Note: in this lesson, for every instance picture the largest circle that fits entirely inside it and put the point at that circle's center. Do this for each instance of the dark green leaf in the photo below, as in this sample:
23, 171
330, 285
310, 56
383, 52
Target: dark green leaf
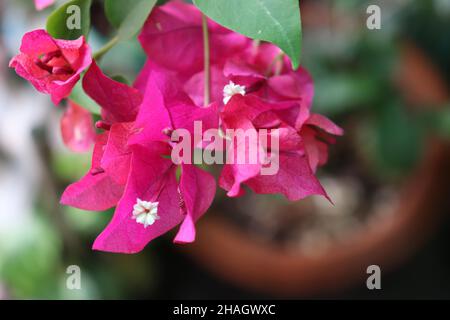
71, 20
128, 18
399, 139
276, 21
116, 11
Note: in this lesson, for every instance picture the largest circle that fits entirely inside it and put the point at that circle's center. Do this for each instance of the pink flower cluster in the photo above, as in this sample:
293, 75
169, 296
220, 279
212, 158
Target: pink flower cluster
131, 166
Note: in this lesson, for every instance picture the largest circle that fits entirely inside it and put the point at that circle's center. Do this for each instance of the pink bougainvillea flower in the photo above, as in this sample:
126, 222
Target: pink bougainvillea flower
102, 187
263, 70
255, 70
77, 128
53, 66
131, 165
168, 108
317, 133
154, 201
42, 4
172, 37
295, 177
267, 72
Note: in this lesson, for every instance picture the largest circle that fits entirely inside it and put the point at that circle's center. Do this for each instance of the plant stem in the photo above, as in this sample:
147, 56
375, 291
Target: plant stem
275, 66
111, 43
207, 66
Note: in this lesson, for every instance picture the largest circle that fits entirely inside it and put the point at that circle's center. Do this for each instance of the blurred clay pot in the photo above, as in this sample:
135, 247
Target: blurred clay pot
237, 257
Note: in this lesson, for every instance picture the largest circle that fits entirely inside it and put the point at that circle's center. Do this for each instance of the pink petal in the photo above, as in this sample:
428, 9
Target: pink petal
97, 190
77, 128
316, 149
197, 189
172, 37
254, 62
42, 4
119, 102
152, 178
325, 124
195, 86
238, 114
61, 90
233, 175
295, 179
116, 157
37, 42
153, 115
166, 106
295, 85
141, 80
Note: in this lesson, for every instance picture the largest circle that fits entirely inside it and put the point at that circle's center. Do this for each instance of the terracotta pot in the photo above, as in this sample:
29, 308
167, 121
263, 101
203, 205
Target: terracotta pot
239, 258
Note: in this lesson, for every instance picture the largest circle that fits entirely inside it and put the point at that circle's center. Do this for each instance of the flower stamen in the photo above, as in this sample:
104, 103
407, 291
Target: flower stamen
145, 212
230, 90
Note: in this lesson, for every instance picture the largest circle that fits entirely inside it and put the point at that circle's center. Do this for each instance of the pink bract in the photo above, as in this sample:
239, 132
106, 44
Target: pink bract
42, 4
77, 128
172, 37
153, 174
132, 161
53, 66
102, 187
295, 178
132, 157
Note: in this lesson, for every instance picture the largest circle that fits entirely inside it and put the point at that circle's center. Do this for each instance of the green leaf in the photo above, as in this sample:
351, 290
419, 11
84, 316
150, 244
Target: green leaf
128, 18
70, 15
399, 139
83, 100
116, 12
276, 21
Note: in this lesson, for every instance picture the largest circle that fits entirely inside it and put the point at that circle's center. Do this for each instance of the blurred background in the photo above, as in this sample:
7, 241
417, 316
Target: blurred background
389, 177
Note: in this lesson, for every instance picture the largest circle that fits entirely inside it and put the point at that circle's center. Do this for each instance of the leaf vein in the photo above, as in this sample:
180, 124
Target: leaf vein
278, 25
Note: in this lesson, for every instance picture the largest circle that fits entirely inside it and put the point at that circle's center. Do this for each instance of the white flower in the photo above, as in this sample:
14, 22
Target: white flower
145, 212
230, 90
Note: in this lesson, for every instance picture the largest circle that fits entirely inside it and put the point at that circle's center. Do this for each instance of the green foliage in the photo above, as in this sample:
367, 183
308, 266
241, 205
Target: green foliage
28, 265
437, 120
343, 93
130, 18
116, 12
274, 21
57, 21
70, 166
398, 139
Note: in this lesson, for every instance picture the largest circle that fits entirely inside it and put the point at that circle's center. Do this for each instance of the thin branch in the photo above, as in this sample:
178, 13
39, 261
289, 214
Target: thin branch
207, 66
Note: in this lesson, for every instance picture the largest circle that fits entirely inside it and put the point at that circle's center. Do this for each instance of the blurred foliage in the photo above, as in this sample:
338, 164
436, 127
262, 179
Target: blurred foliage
29, 264
354, 76
399, 139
